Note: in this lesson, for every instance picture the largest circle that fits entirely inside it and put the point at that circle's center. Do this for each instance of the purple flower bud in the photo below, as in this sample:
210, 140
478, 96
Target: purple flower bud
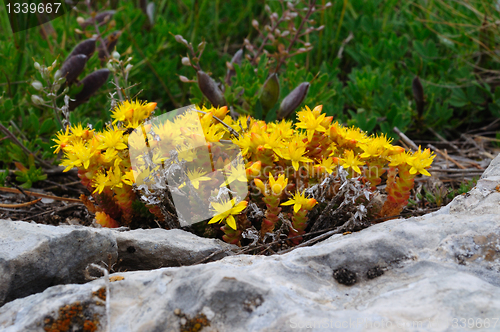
293, 100
210, 89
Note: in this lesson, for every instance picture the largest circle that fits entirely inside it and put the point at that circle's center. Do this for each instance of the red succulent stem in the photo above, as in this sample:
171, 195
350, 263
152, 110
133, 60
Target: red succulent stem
271, 216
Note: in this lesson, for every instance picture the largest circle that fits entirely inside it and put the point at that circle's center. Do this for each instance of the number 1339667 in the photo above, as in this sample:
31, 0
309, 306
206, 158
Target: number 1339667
25, 7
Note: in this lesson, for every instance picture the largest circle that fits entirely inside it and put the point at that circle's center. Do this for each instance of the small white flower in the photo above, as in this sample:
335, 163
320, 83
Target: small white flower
37, 85
36, 100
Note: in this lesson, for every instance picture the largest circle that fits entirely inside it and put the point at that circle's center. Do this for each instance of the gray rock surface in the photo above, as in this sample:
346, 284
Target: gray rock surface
34, 256
438, 272
145, 249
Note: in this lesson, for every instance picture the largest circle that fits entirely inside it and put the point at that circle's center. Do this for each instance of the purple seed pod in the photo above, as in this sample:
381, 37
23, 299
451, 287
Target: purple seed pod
73, 67
99, 18
86, 47
293, 100
210, 89
91, 83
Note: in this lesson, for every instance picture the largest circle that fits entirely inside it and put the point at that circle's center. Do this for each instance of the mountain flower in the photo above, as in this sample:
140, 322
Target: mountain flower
351, 161
226, 210
299, 201
310, 122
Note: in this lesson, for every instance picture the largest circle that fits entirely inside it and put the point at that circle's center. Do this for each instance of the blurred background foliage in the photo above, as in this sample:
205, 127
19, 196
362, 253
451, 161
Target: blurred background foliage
362, 67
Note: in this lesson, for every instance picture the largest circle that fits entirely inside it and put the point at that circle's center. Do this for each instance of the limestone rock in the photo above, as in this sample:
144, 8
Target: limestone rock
435, 269
144, 249
34, 257
429, 273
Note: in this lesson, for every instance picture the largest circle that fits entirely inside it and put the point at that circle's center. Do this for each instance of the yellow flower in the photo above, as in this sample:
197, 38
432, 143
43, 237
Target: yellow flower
213, 133
115, 176
253, 169
62, 140
274, 141
398, 159
355, 135
310, 122
237, 173
79, 131
100, 181
245, 143
186, 153
420, 161
227, 209
351, 161
109, 155
295, 152
375, 147
196, 176
219, 112
112, 138
299, 201
284, 127
77, 155
132, 112
128, 178
277, 186
328, 164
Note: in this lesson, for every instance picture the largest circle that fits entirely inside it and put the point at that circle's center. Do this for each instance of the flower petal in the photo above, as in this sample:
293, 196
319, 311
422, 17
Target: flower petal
231, 222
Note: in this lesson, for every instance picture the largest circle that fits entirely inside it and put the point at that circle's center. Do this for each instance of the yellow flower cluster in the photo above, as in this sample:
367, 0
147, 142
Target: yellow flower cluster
103, 162
317, 143
280, 160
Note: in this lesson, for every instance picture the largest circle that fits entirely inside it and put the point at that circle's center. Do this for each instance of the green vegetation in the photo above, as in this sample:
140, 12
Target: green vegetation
361, 67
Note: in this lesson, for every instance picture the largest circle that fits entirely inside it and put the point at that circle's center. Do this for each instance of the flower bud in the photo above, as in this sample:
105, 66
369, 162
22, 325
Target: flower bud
80, 20
37, 66
184, 79
210, 89
37, 85
260, 185
180, 39
185, 61
36, 100
201, 46
110, 67
293, 100
128, 68
54, 63
57, 87
57, 75
115, 55
255, 24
